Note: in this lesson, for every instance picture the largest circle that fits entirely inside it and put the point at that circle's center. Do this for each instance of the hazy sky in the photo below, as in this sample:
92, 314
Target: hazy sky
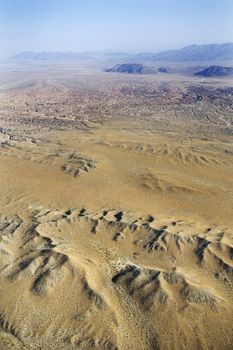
121, 25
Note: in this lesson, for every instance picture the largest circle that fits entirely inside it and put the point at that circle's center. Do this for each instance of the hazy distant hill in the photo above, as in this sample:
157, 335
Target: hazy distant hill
209, 52
28, 55
197, 53
53, 56
215, 71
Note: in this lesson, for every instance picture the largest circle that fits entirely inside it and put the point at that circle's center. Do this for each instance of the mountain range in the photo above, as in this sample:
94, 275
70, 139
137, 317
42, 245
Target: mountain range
209, 52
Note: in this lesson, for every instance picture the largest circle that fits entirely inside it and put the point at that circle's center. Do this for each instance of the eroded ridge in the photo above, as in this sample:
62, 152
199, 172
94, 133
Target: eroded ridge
111, 268
36, 264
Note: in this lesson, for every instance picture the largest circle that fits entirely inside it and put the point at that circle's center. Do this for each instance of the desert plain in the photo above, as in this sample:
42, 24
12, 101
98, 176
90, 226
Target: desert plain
116, 202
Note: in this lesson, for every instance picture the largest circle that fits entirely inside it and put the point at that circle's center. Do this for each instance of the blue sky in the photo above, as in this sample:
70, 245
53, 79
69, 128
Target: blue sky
120, 25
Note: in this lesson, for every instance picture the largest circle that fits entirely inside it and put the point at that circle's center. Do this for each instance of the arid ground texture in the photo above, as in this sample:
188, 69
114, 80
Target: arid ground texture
116, 209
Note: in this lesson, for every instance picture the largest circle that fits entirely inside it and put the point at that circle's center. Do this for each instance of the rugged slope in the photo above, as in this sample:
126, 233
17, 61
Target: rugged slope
102, 278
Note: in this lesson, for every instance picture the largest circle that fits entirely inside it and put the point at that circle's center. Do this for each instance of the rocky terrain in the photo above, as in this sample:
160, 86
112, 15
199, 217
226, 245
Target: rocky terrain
68, 100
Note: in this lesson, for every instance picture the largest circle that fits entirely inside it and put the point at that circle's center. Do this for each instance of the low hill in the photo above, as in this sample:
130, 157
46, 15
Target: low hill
132, 68
215, 71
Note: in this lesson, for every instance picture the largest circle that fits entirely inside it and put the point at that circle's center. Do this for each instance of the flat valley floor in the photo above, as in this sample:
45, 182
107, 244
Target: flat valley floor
116, 202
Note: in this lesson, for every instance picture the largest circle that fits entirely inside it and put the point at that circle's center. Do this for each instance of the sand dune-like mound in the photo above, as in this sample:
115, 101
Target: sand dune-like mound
77, 165
176, 154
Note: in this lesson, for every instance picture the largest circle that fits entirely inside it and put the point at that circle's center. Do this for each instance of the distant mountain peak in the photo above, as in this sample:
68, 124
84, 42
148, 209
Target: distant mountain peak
206, 52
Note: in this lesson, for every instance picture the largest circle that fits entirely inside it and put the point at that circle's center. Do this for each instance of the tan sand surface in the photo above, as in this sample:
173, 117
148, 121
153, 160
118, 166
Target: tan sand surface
116, 234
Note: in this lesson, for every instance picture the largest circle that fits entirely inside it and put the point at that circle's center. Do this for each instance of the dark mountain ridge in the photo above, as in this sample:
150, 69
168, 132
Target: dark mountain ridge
132, 68
215, 71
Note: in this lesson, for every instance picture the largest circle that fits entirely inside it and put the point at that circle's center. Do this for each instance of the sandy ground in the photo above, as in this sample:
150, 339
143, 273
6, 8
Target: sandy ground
116, 234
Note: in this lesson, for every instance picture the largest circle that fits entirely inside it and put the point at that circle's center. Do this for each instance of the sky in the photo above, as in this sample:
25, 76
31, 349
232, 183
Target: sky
112, 25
